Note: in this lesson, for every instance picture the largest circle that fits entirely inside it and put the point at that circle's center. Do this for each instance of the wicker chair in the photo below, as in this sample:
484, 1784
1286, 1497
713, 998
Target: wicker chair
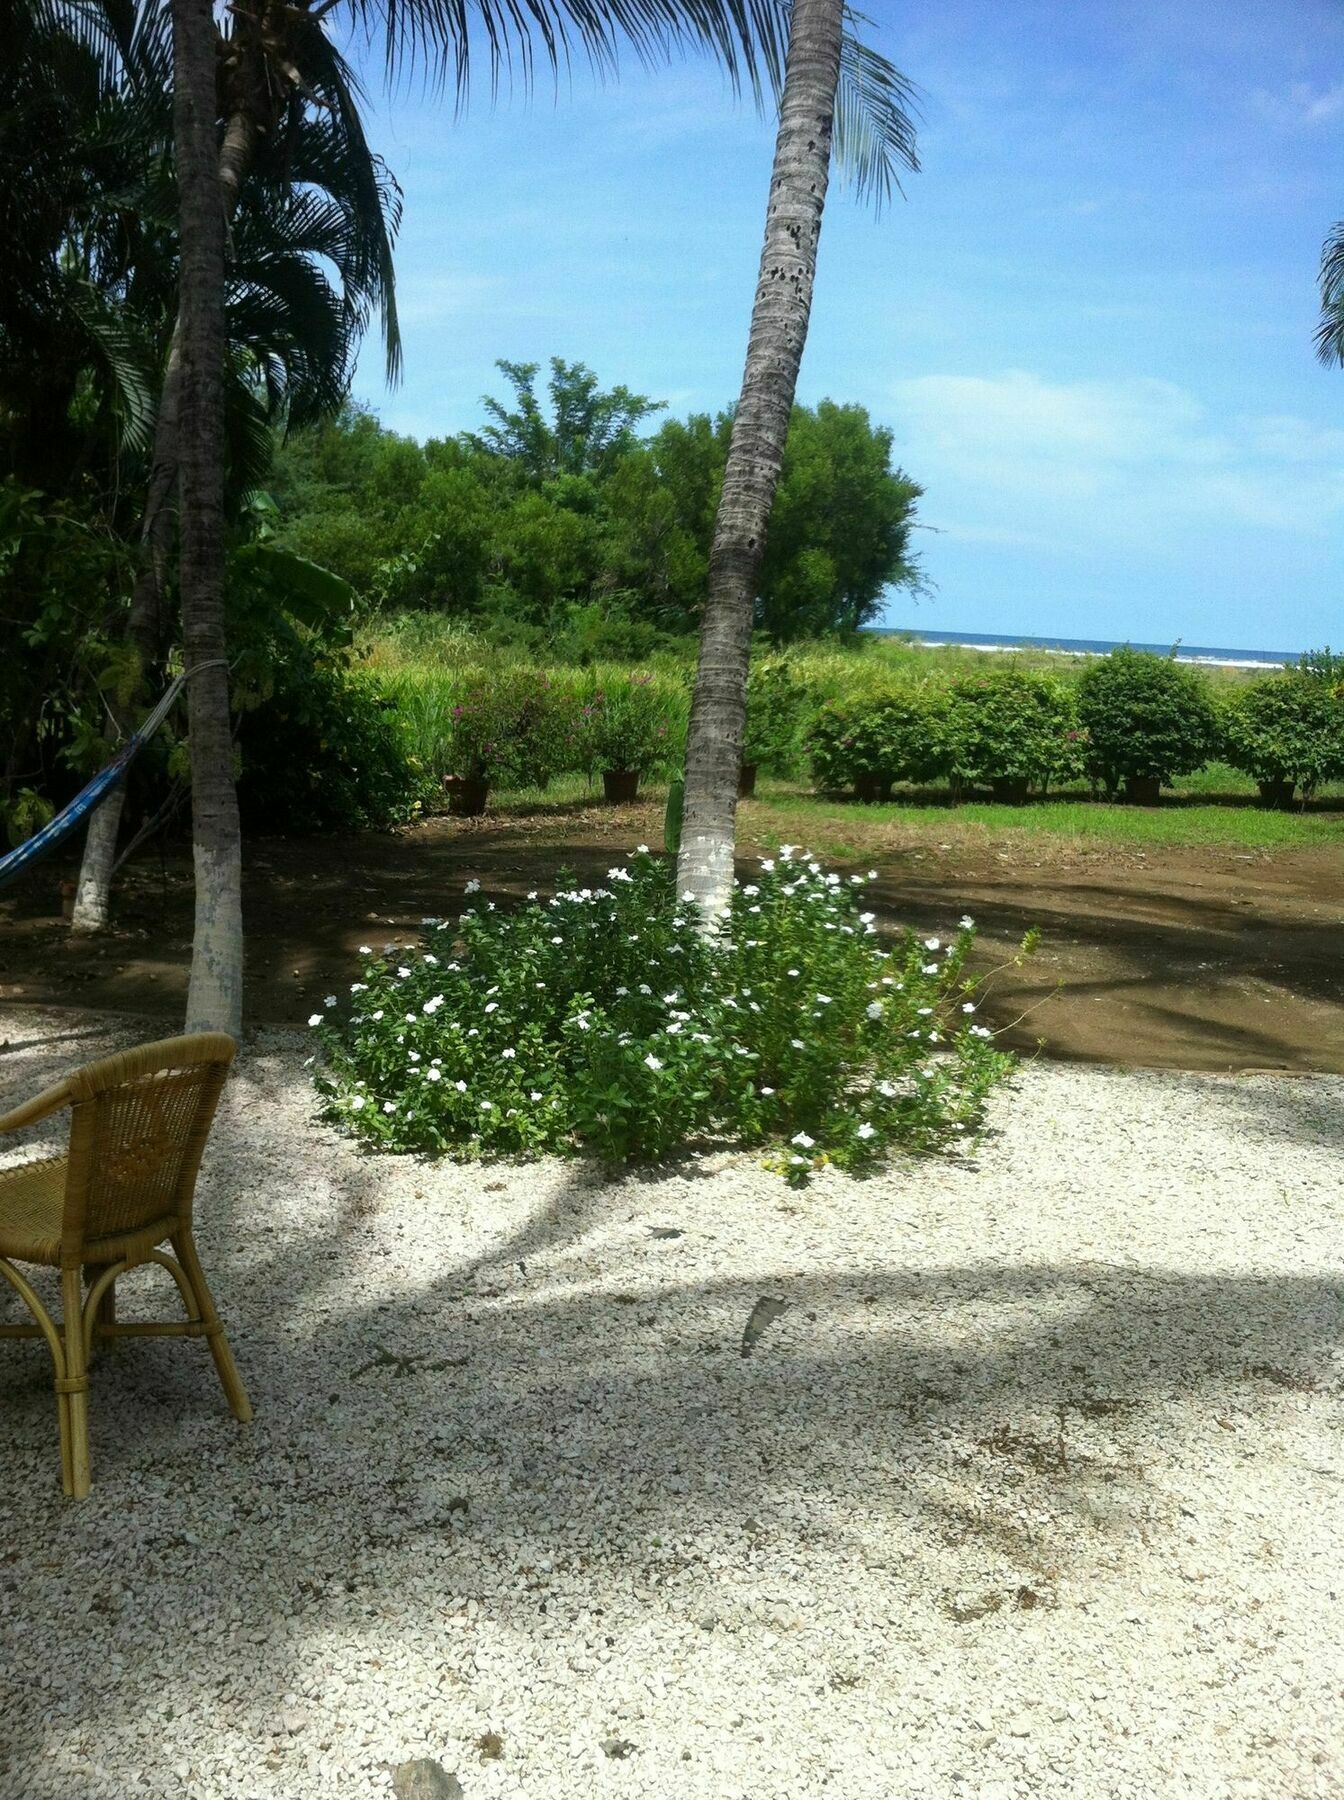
138, 1126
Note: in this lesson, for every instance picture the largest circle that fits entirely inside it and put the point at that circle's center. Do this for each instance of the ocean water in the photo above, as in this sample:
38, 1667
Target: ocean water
1197, 653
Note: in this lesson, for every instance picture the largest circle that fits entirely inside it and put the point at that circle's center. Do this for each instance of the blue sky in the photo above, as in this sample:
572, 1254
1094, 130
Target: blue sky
1088, 324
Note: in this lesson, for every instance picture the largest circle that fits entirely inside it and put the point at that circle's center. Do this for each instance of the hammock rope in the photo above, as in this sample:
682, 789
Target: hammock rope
70, 817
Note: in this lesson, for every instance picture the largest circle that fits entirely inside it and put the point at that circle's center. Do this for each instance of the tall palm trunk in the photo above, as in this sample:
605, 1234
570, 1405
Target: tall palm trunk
146, 625
779, 322
215, 997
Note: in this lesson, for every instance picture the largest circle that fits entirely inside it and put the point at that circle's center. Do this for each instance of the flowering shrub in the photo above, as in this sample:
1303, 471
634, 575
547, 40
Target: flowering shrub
630, 722
1286, 731
602, 1020
1147, 718
868, 742
1016, 726
506, 727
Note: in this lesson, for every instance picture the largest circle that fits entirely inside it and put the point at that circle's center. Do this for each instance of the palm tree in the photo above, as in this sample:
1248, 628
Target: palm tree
316, 198
779, 321
1330, 331
746, 35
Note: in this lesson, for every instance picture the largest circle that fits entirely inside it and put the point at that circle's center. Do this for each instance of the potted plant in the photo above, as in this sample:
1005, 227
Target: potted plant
1016, 729
630, 728
1148, 718
1286, 731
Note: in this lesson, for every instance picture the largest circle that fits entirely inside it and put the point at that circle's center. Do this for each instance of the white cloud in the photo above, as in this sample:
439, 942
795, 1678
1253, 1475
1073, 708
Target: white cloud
1301, 104
1134, 461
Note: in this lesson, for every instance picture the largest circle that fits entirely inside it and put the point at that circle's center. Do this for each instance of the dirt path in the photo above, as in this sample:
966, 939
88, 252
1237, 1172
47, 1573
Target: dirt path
1201, 958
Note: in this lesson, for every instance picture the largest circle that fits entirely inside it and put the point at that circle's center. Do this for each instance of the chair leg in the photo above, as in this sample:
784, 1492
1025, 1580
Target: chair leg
73, 1389
107, 1312
184, 1247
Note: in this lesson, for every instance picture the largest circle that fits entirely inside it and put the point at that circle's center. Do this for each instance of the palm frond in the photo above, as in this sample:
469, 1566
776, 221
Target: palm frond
1330, 331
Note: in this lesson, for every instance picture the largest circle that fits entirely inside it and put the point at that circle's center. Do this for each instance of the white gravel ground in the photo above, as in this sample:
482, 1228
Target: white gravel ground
1033, 1488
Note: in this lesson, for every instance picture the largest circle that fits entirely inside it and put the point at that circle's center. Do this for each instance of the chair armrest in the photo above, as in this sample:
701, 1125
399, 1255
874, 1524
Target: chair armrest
50, 1100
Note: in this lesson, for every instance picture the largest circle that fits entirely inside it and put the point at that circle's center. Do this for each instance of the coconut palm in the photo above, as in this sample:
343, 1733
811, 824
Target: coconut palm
262, 70
779, 321
1330, 331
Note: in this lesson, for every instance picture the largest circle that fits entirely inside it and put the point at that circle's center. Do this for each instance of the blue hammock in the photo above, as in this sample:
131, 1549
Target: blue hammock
71, 817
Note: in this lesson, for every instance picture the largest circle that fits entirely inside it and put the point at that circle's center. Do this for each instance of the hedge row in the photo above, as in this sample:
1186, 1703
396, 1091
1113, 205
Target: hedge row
1132, 723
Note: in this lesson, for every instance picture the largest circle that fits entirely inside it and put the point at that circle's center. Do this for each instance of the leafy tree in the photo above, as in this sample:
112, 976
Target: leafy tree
588, 431
1330, 331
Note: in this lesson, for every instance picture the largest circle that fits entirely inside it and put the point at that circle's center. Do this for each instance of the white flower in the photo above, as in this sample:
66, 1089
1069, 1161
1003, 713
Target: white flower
803, 1141
315, 1018
388, 1107
872, 874
487, 1106
622, 991
671, 999
533, 894
461, 1086
414, 1055
798, 1043
433, 961
768, 864
557, 940
966, 922
358, 1103
535, 1094
791, 971
641, 849
402, 974
652, 1062
932, 943
874, 1010
823, 999
508, 1055
866, 918
432, 1005
688, 896
673, 1029
787, 851
472, 887
887, 1091
866, 1130
767, 1090
967, 1006
751, 891
433, 1074
330, 1000
644, 988
924, 1011
359, 987
366, 950
493, 1006
980, 1031
928, 968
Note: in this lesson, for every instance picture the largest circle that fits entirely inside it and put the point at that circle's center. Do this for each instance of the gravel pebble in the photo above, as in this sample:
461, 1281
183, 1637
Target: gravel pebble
1032, 1487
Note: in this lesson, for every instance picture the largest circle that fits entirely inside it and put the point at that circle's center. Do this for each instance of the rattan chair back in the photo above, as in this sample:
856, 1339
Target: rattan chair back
138, 1129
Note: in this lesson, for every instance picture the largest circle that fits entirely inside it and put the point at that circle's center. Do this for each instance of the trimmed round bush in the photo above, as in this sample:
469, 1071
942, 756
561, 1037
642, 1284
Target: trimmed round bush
325, 751
1148, 718
506, 728
1286, 732
868, 742
601, 1020
1016, 729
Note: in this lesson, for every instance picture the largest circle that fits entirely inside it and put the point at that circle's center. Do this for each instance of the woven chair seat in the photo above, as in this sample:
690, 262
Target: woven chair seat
32, 1202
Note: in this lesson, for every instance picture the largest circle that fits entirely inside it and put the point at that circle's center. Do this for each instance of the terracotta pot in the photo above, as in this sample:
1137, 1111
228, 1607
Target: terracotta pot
746, 781
1009, 790
1278, 794
1143, 790
467, 795
619, 786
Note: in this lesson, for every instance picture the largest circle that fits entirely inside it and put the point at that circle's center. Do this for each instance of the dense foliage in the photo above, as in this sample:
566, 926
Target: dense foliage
1015, 729
1147, 718
872, 741
558, 519
1286, 732
602, 1020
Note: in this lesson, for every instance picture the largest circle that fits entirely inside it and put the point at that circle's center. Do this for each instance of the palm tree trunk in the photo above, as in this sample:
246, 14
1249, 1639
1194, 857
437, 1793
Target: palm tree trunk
779, 322
146, 625
215, 996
